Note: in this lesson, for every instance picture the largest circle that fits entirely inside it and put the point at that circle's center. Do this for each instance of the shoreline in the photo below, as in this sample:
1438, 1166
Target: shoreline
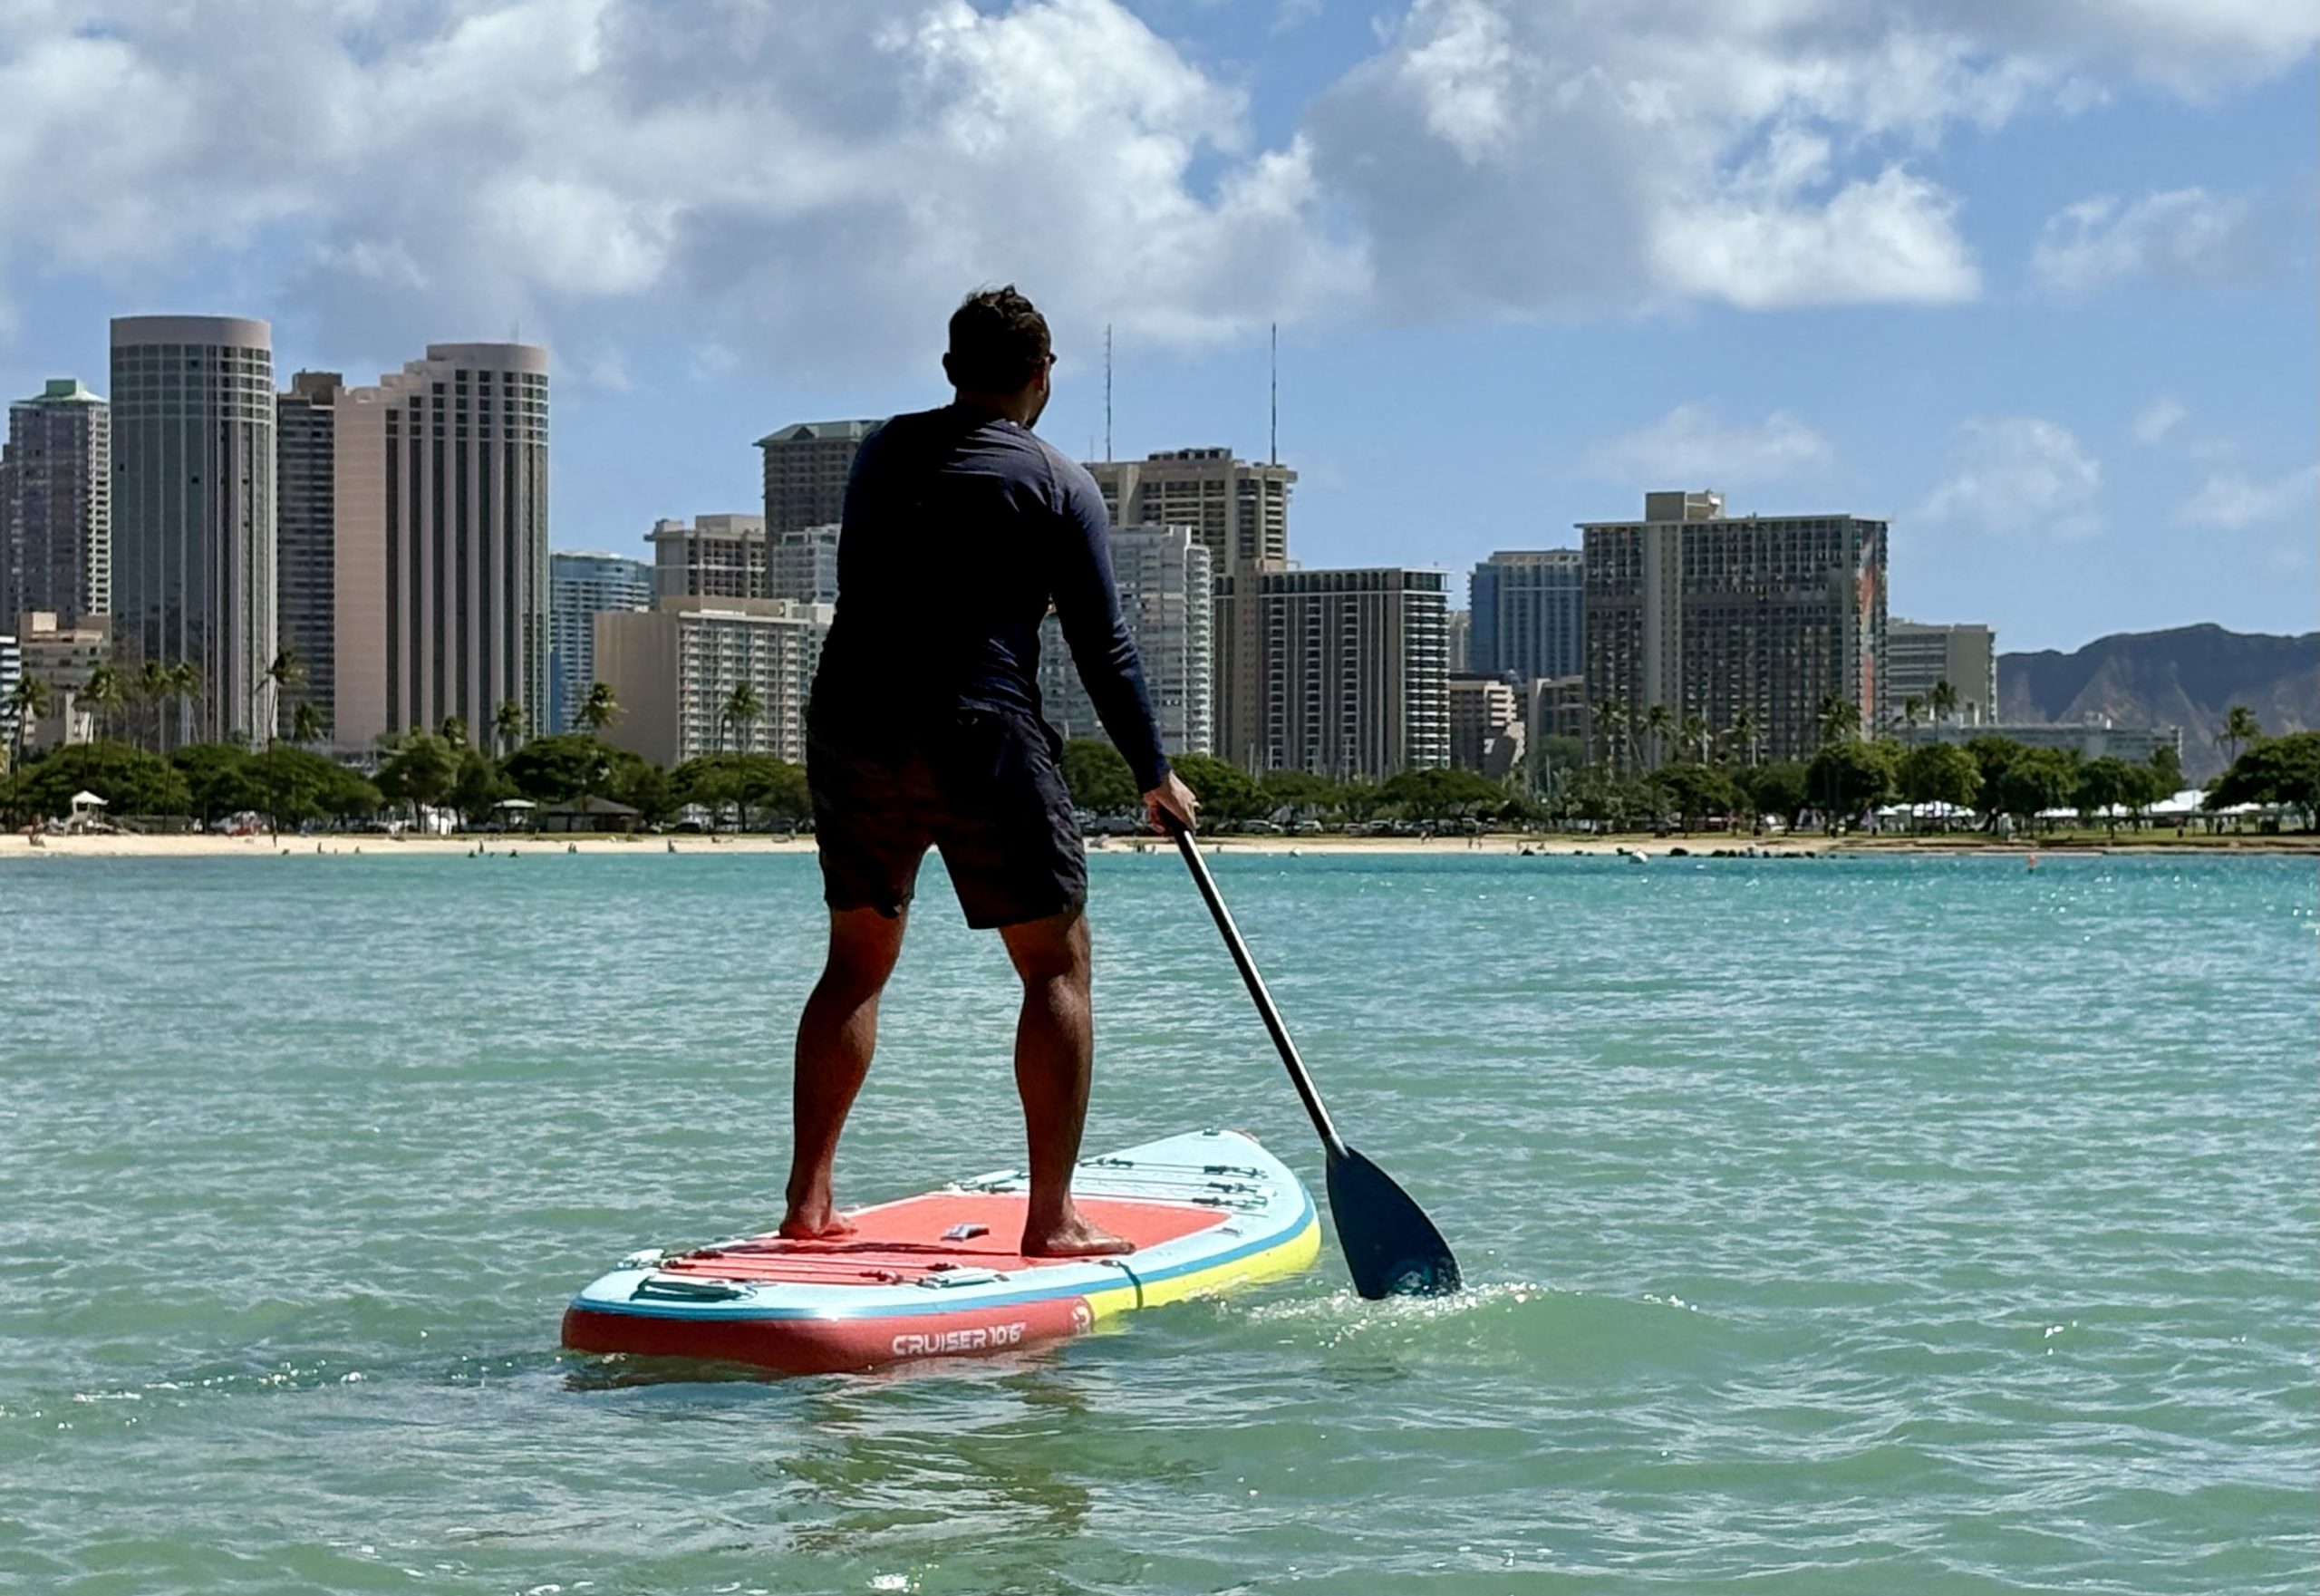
14, 845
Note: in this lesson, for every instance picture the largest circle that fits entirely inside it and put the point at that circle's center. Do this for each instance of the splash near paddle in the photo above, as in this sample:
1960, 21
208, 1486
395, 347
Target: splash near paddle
937, 1276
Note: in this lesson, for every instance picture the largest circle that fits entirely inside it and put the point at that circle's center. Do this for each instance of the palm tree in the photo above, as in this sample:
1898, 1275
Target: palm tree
1695, 736
1658, 722
185, 688
287, 674
1912, 709
27, 702
155, 686
2240, 728
1607, 719
1945, 701
742, 709
1744, 729
454, 731
306, 722
599, 710
1840, 719
107, 693
507, 727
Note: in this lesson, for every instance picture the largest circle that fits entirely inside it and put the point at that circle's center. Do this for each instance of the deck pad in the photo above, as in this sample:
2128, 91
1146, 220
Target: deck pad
940, 1275
904, 1241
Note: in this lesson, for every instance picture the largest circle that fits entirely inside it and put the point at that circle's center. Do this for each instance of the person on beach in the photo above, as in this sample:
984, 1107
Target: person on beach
959, 528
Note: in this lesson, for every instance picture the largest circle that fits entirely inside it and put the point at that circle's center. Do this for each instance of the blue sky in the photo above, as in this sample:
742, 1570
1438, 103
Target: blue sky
2034, 282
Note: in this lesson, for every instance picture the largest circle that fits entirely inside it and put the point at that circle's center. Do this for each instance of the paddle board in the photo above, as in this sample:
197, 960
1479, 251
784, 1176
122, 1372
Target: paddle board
937, 1276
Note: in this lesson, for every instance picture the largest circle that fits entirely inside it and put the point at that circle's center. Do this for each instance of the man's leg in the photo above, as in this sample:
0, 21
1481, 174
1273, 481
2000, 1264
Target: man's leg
836, 1037
1054, 1051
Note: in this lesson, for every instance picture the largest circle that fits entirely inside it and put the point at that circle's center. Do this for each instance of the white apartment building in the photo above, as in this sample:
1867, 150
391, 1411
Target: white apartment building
1487, 725
441, 569
709, 557
1167, 599
1919, 657
802, 565
56, 505
673, 668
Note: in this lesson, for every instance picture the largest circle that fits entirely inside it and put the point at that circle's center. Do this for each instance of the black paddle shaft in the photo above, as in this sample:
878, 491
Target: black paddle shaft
1256, 982
1391, 1247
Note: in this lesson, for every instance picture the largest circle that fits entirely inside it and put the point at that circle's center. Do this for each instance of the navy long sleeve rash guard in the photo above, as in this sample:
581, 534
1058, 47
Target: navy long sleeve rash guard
961, 527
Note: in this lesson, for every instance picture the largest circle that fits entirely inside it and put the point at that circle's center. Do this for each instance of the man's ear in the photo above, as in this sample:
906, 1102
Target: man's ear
948, 374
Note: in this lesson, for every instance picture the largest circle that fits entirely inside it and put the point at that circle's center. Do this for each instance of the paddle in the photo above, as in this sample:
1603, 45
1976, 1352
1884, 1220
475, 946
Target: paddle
1391, 1246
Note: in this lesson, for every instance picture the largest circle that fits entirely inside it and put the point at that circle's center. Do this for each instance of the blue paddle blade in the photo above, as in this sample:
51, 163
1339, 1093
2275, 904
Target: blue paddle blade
1390, 1245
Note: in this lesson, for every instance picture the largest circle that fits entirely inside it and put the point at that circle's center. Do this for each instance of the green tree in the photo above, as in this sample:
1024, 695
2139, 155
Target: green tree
2277, 770
599, 710
1993, 756
711, 782
1695, 737
2035, 779
418, 773
648, 790
1694, 791
184, 690
1745, 731
130, 781
1301, 791
307, 722
775, 789
2109, 783
107, 693
1441, 794
740, 712
1941, 773
287, 674
478, 785
291, 784
1912, 711
1226, 792
2167, 769
2240, 728
1848, 777
27, 702
1608, 797
1098, 777
508, 728
1944, 701
1838, 718
1780, 792
453, 732
1610, 723
1658, 722
216, 780
1360, 800
569, 765
153, 688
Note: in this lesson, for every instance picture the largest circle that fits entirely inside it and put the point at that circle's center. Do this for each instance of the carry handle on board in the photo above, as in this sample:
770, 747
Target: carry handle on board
1390, 1246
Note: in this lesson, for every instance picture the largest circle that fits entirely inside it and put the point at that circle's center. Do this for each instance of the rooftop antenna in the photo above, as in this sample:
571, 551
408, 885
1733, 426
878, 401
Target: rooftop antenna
1275, 455
1107, 390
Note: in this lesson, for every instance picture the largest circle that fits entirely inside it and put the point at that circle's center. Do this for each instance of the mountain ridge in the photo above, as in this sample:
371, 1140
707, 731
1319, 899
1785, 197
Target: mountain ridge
2185, 676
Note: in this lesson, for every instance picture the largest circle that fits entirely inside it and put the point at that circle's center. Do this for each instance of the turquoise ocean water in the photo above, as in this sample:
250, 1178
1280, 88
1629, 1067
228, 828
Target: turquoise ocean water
1911, 1226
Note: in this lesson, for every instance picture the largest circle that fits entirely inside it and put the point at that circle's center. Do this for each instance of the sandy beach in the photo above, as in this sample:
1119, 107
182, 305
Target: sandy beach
14, 845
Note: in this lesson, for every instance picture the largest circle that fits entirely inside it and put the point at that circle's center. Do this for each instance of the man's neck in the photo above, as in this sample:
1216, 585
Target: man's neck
1018, 408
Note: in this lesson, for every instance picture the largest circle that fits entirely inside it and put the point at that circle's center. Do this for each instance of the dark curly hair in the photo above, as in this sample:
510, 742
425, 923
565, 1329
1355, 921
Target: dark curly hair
999, 342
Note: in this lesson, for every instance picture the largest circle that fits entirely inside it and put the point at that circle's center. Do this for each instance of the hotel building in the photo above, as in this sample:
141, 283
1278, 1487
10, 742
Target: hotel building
193, 514
1167, 599
805, 469
56, 505
673, 667
1529, 608
1352, 673
305, 556
582, 587
440, 567
1919, 658
1719, 616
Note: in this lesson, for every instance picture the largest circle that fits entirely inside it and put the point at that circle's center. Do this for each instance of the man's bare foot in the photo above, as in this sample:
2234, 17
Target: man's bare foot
815, 1221
1072, 1237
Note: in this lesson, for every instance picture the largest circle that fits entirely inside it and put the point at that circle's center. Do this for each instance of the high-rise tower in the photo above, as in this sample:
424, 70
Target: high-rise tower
56, 505
306, 534
441, 574
193, 516
806, 468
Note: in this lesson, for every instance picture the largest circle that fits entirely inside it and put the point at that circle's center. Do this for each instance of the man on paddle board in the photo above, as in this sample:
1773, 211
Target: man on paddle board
961, 527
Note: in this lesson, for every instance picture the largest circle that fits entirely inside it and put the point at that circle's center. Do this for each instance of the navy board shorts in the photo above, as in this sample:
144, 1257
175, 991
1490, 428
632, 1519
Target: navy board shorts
983, 784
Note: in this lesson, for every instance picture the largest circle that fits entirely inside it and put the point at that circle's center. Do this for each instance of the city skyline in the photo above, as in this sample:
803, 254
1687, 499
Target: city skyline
2031, 293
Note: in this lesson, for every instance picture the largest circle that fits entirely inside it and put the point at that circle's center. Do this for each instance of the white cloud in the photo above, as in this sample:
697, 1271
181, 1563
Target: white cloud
1692, 444
2156, 419
2231, 501
2184, 236
815, 184
2018, 474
